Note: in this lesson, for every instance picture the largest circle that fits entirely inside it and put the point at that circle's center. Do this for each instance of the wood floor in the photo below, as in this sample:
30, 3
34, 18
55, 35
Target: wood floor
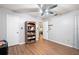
42, 47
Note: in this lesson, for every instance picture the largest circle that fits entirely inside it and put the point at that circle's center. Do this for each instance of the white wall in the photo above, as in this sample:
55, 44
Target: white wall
76, 42
24, 18
2, 24
21, 23
78, 32
62, 29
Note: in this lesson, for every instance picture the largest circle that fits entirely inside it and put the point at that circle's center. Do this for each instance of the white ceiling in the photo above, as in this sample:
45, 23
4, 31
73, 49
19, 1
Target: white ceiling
18, 6
21, 8
33, 9
65, 8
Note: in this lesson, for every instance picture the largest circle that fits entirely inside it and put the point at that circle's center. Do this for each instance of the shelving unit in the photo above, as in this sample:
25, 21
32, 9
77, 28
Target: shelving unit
30, 32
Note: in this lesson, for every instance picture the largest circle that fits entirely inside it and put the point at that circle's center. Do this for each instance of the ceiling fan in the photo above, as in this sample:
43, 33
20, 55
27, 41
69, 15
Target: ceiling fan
45, 9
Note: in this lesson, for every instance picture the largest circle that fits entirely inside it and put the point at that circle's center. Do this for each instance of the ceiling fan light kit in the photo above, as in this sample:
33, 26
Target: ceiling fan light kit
45, 9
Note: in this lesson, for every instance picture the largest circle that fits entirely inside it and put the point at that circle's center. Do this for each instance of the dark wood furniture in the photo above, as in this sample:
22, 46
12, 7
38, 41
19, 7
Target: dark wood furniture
30, 32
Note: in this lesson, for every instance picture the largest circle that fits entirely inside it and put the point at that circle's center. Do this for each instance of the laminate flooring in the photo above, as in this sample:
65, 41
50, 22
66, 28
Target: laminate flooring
42, 47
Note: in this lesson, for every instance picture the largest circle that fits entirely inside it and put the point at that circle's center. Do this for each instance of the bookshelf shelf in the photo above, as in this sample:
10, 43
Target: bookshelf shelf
30, 32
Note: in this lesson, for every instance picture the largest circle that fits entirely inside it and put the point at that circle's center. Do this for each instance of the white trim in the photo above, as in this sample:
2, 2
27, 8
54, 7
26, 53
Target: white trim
21, 43
61, 43
75, 37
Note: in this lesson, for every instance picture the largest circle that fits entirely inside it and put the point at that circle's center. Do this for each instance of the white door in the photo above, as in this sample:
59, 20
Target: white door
22, 32
12, 30
45, 30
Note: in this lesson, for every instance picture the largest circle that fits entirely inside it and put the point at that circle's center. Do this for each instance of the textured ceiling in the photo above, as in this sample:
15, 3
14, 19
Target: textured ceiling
33, 9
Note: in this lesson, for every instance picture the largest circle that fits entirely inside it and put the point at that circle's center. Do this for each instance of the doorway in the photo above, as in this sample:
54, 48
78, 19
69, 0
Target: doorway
40, 30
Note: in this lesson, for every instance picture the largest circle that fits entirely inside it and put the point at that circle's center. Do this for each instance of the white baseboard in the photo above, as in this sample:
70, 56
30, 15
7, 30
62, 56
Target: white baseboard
61, 43
21, 43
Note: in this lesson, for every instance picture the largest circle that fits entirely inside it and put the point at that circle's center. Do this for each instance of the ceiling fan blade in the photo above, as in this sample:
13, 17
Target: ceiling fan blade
55, 14
46, 8
42, 14
50, 12
39, 5
53, 6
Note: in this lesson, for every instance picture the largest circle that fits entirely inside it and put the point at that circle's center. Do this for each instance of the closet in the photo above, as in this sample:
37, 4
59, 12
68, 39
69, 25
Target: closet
30, 32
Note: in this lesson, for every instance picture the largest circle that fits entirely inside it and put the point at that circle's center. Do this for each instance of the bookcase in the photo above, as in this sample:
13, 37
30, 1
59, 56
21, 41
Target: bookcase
30, 32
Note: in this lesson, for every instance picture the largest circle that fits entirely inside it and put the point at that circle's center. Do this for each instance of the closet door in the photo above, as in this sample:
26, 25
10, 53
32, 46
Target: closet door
12, 29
